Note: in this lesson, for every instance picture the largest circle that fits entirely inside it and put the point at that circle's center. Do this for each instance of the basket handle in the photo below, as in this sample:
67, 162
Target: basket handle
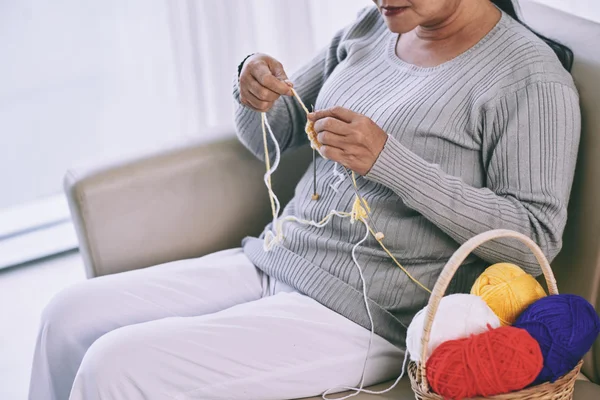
450, 269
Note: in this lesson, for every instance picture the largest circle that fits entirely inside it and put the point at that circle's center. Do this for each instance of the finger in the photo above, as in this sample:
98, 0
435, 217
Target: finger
331, 124
340, 113
332, 139
333, 154
261, 92
255, 103
279, 72
275, 85
265, 77
250, 83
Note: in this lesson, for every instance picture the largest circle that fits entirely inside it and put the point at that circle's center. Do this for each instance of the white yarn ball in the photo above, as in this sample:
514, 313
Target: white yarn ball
458, 316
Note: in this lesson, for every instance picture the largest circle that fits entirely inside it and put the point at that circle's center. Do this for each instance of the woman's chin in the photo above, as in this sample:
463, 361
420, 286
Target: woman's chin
400, 23
400, 27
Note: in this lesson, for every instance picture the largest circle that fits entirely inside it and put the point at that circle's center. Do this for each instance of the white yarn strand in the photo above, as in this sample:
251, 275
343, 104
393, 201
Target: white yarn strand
275, 236
340, 178
272, 235
361, 389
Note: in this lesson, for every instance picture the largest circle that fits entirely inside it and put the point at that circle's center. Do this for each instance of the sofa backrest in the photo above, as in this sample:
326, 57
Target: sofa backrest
577, 267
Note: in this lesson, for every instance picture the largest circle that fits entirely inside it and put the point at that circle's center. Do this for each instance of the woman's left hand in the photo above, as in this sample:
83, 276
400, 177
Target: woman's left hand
349, 138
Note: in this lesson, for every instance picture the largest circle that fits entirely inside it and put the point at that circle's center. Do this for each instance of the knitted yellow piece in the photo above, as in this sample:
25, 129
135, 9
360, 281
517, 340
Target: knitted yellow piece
312, 135
359, 213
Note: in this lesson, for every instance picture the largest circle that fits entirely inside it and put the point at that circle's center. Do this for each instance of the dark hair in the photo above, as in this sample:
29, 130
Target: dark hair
565, 55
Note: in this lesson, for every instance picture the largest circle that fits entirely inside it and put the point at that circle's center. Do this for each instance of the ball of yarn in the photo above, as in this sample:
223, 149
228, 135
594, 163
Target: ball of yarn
565, 326
498, 361
508, 290
458, 316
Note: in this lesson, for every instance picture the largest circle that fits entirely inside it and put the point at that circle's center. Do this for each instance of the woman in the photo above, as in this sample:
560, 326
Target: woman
456, 118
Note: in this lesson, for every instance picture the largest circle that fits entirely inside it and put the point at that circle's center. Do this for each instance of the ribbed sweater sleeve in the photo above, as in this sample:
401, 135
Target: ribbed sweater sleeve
529, 139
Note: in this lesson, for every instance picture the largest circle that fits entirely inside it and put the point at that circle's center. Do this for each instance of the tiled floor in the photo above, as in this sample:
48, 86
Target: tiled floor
24, 291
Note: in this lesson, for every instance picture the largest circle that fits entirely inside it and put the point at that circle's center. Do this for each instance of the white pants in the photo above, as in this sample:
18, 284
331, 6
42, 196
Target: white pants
209, 328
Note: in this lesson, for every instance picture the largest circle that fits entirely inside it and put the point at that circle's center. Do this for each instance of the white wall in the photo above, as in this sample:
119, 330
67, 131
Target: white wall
589, 9
79, 80
322, 10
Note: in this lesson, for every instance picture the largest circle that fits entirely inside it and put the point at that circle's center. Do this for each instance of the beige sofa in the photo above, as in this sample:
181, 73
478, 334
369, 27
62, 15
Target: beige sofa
201, 197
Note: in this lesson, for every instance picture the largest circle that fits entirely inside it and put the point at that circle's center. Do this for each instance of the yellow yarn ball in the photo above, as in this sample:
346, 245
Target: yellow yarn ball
508, 290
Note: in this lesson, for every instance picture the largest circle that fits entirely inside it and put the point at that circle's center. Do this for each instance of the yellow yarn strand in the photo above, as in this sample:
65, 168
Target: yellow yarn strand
300, 100
398, 263
354, 179
378, 237
310, 126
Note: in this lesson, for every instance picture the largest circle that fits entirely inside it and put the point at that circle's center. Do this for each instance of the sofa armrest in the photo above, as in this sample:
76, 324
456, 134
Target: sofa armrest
181, 203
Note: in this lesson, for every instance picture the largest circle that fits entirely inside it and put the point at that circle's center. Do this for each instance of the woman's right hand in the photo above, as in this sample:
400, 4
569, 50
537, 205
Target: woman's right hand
262, 81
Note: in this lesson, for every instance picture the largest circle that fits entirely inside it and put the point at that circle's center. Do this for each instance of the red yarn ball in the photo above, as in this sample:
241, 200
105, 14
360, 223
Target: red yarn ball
495, 362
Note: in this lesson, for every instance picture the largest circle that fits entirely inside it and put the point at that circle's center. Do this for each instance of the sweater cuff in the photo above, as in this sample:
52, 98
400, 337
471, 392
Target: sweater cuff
236, 79
236, 89
399, 169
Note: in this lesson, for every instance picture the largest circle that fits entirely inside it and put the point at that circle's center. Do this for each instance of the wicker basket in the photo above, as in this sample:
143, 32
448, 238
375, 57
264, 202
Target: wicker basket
561, 389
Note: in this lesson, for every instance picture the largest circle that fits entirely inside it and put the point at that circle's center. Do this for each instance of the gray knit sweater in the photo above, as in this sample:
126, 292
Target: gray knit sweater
487, 140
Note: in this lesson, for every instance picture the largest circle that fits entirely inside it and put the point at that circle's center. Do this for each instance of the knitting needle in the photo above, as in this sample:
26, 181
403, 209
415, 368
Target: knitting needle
315, 195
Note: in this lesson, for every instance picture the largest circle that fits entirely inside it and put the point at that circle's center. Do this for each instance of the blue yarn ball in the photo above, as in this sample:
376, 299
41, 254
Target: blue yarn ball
565, 326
